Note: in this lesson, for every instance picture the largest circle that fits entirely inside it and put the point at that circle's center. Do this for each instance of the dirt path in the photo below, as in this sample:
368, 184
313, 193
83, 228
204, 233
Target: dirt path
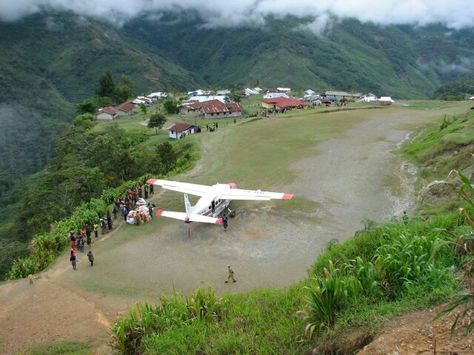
267, 244
417, 333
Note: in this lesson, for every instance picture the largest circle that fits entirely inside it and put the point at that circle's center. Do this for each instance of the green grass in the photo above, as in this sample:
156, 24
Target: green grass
61, 348
274, 320
406, 266
431, 104
441, 147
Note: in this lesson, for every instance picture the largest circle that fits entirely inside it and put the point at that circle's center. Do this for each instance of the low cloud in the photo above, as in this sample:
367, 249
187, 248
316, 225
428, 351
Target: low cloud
460, 65
455, 13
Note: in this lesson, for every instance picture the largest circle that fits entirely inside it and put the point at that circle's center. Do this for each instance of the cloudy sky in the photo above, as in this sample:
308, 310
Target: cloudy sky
453, 13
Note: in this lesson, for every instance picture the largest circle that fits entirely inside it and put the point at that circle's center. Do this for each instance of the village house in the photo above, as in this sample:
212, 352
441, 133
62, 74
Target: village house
107, 113
211, 109
368, 98
282, 103
111, 112
217, 109
385, 101
198, 92
274, 95
180, 130
202, 98
125, 109
339, 95
190, 107
159, 95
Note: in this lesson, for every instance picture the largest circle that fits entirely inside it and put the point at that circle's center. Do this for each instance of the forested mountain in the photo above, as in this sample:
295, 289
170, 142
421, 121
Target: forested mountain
401, 61
52, 60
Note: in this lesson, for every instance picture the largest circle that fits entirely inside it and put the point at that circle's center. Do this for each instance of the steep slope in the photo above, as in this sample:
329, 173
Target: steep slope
48, 63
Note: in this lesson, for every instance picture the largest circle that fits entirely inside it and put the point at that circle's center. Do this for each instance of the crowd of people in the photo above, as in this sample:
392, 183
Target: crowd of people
131, 204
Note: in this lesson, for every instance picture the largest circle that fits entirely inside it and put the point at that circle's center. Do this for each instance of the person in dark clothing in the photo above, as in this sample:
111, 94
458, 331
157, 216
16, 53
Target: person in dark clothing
87, 227
230, 275
124, 212
405, 217
88, 240
81, 243
73, 259
115, 211
145, 190
90, 256
225, 221
103, 225
109, 221
72, 238
152, 189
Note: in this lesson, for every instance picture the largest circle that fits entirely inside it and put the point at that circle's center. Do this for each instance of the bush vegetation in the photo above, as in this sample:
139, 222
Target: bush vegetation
72, 190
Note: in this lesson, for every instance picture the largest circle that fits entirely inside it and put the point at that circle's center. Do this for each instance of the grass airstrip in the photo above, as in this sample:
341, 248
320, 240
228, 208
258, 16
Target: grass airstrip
139, 263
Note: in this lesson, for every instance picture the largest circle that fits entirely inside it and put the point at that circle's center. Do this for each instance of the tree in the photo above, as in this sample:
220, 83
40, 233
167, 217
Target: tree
143, 108
86, 106
156, 121
85, 120
125, 90
106, 85
170, 105
234, 96
167, 156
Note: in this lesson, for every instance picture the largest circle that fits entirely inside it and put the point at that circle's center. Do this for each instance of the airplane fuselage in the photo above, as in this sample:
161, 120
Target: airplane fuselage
210, 205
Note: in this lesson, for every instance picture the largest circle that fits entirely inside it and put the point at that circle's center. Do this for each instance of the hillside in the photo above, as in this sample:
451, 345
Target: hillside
52, 60
269, 245
49, 62
401, 61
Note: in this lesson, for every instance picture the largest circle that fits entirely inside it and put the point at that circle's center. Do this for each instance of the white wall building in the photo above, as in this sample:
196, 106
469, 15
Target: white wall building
274, 95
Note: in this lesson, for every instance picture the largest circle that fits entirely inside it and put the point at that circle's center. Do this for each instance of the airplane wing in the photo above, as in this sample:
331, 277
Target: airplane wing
185, 187
255, 195
182, 216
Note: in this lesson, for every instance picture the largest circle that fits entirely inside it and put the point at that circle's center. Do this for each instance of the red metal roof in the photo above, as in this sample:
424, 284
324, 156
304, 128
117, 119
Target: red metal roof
283, 102
126, 107
213, 106
110, 110
234, 107
216, 106
181, 127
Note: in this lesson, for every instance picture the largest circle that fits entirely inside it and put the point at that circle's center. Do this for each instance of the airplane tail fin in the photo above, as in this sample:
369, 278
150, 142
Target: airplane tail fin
187, 205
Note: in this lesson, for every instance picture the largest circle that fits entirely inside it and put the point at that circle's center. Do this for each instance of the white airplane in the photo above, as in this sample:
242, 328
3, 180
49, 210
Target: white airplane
214, 199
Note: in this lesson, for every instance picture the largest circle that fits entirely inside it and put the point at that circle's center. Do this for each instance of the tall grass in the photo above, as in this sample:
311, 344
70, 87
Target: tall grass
382, 264
172, 313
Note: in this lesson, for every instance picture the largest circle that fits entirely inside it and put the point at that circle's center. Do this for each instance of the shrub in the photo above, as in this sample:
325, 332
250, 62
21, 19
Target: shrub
365, 276
327, 296
172, 313
407, 260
